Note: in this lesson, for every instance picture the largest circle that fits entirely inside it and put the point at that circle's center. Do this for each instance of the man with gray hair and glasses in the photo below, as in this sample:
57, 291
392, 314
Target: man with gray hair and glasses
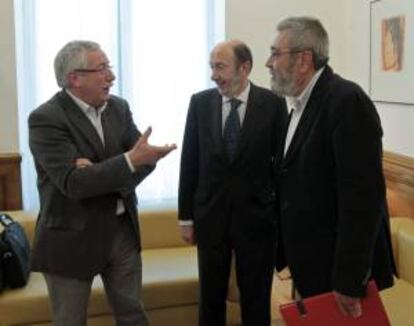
89, 157
333, 220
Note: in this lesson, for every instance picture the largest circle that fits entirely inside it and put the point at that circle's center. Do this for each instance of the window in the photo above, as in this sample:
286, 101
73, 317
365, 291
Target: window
159, 50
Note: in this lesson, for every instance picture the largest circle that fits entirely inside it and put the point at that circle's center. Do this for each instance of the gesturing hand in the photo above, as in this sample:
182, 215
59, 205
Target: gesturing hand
143, 153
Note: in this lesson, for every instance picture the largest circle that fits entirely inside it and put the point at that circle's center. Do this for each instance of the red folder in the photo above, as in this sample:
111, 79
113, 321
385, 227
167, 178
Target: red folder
323, 310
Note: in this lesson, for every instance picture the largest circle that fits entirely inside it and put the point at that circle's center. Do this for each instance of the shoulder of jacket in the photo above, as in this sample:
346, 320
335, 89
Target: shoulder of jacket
206, 93
116, 100
51, 105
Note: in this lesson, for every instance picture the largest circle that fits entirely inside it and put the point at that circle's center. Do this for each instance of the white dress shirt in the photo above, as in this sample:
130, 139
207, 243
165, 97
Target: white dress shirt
297, 105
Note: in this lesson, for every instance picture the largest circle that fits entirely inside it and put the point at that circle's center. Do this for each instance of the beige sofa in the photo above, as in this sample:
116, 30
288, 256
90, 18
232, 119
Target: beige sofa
170, 280
398, 300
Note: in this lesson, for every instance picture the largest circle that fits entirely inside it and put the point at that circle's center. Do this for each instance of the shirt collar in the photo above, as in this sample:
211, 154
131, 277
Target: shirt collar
85, 107
299, 102
243, 96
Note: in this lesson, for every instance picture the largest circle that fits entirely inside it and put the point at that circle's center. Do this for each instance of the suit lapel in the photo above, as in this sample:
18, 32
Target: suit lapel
82, 124
309, 114
252, 114
217, 122
248, 127
111, 135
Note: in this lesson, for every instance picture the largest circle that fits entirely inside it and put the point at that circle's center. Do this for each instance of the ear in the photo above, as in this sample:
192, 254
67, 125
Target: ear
306, 61
245, 68
74, 79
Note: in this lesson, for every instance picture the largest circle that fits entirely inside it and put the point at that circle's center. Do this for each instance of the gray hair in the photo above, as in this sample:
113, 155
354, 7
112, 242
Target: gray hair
72, 56
307, 33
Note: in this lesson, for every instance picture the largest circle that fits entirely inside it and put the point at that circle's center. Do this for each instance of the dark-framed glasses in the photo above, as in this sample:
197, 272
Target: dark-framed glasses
100, 70
276, 54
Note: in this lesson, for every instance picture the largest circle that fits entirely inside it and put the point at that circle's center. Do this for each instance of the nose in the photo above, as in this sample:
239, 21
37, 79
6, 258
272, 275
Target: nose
269, 62
213, 76
110, 75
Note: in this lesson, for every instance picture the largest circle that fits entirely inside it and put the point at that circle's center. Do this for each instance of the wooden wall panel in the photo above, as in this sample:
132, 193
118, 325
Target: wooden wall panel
399, 176
10, 182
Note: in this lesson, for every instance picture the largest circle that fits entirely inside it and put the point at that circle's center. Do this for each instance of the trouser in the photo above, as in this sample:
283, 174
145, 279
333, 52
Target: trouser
122, 279
254, 273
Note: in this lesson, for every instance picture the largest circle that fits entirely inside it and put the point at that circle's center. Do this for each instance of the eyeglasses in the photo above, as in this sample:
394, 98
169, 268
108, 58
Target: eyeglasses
277, 54
101, 70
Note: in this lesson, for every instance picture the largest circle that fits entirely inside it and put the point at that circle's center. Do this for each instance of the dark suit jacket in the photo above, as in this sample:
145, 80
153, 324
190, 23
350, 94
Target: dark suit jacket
215, 192
333, 214
76, 221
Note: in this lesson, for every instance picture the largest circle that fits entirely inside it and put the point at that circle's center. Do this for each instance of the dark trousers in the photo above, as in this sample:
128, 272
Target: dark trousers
254, 273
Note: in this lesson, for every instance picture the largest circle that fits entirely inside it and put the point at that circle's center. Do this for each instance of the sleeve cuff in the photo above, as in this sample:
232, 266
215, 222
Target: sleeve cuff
128, 160
185, 222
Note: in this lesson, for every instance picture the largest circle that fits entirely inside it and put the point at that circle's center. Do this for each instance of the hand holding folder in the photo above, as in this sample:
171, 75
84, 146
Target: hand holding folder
323, 310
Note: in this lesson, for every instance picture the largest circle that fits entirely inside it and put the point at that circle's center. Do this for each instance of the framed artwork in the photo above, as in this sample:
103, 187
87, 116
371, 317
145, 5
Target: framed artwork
392, 51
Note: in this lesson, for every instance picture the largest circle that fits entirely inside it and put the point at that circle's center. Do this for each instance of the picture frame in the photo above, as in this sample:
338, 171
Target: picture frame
392, 51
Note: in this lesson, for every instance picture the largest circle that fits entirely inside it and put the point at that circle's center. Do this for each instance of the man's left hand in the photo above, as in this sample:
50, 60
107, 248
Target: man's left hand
349, 306
82, 163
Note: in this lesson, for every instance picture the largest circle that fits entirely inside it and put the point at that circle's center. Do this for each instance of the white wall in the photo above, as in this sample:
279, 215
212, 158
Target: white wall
9, 140
255, 23
347, 22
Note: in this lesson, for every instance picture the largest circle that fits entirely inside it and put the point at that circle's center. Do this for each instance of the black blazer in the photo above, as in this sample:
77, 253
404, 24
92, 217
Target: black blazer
334, 228
75, 227
219, 195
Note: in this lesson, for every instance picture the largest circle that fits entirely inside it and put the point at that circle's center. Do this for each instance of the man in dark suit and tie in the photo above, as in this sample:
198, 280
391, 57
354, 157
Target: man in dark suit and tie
226, 191
89, 157
334, 230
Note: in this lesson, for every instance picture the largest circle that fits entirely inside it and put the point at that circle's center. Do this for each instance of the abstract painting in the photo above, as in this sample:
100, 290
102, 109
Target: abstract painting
392, 51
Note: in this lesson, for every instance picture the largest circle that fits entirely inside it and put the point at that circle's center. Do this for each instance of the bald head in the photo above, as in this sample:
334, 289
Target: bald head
231, 63
238, 49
